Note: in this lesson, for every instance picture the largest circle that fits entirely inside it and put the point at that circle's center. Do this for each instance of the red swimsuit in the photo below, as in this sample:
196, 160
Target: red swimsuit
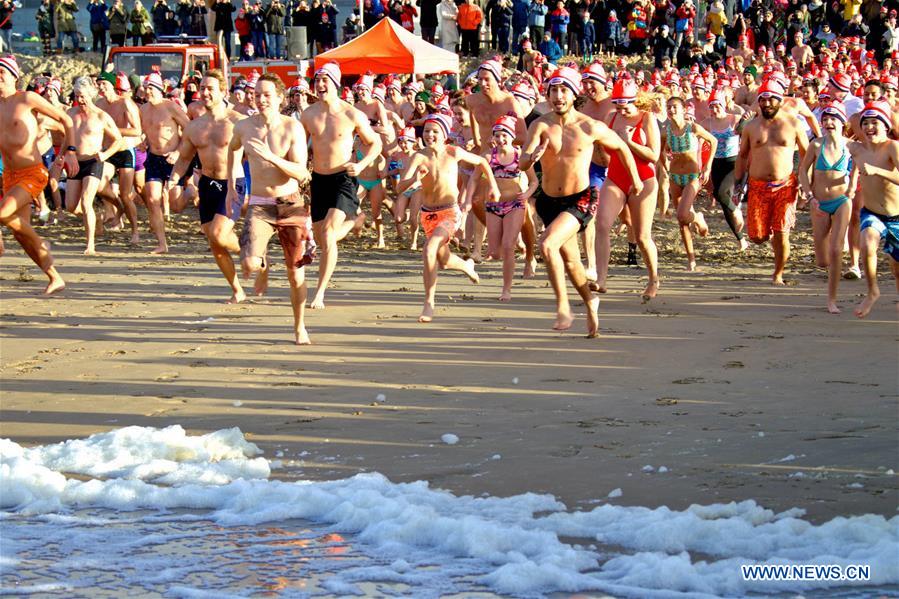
618, 173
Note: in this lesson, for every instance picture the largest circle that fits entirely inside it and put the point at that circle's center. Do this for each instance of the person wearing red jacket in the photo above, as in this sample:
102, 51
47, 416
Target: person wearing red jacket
469, 20
242, 27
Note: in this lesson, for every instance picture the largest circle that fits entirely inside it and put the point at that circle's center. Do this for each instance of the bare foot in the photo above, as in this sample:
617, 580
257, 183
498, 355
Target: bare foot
469, 271
359, 224
414, 247
135, 238
90, 252
864, 308
477, 258
593, 318
260, 286
777, 281
427, 313
691, 264
301, 337
652, 289
506, 295
699, 225
832, 307
161, 249
744, 245
237, 297
591, 274
54, 286
595, 286
380, 245
318, 303
563, 321
530, 269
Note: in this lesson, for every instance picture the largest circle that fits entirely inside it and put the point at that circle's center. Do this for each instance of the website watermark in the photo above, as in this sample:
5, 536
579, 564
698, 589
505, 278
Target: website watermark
806, 572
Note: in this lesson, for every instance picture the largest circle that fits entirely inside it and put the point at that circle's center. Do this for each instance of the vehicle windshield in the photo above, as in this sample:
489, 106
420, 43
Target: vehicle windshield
171, 65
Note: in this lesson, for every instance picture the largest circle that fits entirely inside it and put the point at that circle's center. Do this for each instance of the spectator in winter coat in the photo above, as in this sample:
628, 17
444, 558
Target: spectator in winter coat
537, 21
662, 46
588, 39
559, 19
256, 17
118, 23
223, 26
198, 19
183, 11
99, 24
274, 29
157, 12
469, 19
611, 33
407, 16
428, 21
449, 31
46, 28
242, 27
66, 26
519, 20
550, 48
500, 24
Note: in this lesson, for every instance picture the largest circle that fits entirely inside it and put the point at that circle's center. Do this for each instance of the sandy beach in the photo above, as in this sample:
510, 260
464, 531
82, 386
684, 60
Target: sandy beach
722, 389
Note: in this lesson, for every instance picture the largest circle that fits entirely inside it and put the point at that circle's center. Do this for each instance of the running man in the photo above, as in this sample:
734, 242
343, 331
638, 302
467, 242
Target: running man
877, 159
24, 173
115, 100
161, 122
276, 149
768, 144
332, 125
435, 168
90, 127
563, 140
208, 136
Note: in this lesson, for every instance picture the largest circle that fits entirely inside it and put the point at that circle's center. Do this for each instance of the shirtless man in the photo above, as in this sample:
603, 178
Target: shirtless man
436, 170
801, 53
208, 136
332, 126
276, 148
90, 127
768, 144
877, 159
115, 100
395, 101
746, 95
25, 175
563, 142
599, 107
490, 103
161, 122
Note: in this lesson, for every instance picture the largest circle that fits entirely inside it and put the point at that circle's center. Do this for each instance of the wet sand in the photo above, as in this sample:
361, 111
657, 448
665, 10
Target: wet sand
721, 379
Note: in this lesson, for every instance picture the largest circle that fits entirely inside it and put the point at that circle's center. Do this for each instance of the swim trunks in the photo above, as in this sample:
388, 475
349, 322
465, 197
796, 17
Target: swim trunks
122, 159
88, 168
337, 190
32, 179
140, 159
289, 218
157, 168
770, 207
597, 175
887, 226
501, 209
582, 206
449, 219
213, 193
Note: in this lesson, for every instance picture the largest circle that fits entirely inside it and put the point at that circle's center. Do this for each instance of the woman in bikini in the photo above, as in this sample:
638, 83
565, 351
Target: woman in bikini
371, 184
824, 178
506, 216
725, 126
686, 171
639, 129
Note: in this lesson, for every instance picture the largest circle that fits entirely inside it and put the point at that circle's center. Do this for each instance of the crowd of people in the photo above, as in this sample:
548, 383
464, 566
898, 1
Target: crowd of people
543, 163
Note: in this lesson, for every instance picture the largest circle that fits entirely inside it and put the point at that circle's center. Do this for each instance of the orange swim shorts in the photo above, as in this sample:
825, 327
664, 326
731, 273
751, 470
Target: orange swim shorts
449, 219
770, 206
32, 179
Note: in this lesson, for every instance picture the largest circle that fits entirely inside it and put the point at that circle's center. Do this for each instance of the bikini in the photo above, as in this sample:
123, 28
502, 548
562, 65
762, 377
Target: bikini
395, 168
842, 165
685, 143
504, 171
617, 172
367, 184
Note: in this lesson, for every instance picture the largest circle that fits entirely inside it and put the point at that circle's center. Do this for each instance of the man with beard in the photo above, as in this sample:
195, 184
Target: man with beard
768, 144
208, 137
563, 140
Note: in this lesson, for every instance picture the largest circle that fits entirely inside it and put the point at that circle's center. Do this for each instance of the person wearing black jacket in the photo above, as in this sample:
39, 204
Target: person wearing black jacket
500, 15
428, 19
158, 14
663, 46
223, 25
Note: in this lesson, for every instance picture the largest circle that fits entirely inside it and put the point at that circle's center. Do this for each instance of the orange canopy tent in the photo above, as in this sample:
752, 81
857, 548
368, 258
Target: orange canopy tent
388, 48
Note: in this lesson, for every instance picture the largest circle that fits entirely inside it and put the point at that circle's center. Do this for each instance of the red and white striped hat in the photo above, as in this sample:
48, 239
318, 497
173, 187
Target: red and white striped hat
505, 123
331, 70
771, 89
154, 80
9, 63
836, 109
379, 93
121, 83
595, 72
494, 68
879, 109
716, 97
524, 91
407, 133
366, 81
841, 82
566, 76
624, 91
441, 120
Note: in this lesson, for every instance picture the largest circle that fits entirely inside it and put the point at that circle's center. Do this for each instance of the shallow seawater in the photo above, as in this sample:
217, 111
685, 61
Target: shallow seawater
99, 553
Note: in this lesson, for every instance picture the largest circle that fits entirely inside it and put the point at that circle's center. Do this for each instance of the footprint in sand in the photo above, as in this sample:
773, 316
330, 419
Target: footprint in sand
167, 377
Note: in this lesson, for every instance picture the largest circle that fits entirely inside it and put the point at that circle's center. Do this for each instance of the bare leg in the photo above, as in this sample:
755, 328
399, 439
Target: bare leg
126, 193
557, 233
414, 208
854, 236
869, 240
153, 192
589, 237
642, 210
297, 279
334, 227
572, 259
429, 272
14, 213
223, 241
511, 227
376, 196
529, 236
399, 216
494, 235
780, 243
611, 201
480, 228
88, 192
839, 223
